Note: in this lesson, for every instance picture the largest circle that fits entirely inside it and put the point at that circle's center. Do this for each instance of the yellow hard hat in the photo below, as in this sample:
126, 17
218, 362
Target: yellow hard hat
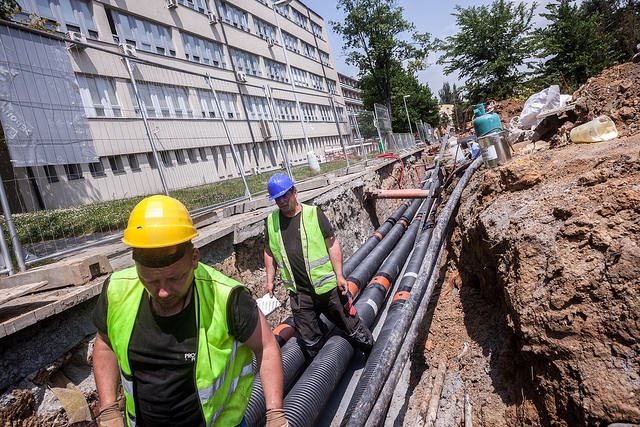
158, 222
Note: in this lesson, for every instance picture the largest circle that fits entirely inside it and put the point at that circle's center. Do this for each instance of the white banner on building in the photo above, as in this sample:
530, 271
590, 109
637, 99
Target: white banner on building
41, 109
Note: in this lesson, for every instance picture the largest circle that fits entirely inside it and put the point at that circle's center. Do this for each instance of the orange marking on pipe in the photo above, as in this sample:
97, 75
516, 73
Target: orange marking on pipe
402, 221
285, 331
383, 281
353, 288
402, 295
378, 235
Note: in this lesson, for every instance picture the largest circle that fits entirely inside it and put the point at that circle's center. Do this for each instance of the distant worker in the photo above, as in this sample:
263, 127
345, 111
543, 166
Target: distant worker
179, 335
301, 243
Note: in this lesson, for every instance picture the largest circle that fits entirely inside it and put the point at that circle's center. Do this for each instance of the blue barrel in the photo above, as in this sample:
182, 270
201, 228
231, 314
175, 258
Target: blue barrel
485, 123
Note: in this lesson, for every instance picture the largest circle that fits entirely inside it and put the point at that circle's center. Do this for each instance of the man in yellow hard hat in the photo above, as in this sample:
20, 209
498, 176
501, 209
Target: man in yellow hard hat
179, 335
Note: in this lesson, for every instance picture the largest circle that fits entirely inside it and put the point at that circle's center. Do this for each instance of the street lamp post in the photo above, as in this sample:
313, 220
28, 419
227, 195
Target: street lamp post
311, 156
404, 99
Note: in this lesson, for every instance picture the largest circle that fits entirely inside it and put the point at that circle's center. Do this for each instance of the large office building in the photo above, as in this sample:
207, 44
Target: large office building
119, 98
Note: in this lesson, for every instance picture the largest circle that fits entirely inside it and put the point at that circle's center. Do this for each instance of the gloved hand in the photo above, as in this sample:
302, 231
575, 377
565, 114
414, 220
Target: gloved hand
275, 418
110, 416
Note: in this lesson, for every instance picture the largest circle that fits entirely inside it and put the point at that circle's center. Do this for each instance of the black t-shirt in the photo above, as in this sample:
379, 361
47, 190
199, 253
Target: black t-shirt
162, 356
290, 229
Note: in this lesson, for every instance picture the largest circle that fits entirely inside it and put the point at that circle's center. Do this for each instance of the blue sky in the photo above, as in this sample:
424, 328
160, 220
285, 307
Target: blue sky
432, 16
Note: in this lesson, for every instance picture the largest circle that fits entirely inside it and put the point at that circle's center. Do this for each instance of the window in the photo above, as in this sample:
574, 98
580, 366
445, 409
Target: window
99, 96
70, 15
180, 157
317, 82
264, 30
144, 35
50, 171
191, 153
245, 62
331, 87
161, 101
228, 103
299, 77
232, 15
115, 163
257, 108
290, 42
286, 110
276, 70
309, 112
199, 5
324, 58
300, 19
166, 158
282, 9
73, 171
317, 30
203, 154
133, 162
203, 51
151, 159
308, 50
325, 113
97, 169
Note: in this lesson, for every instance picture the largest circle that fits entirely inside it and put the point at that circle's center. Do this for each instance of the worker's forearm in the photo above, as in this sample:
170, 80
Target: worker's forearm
105, 371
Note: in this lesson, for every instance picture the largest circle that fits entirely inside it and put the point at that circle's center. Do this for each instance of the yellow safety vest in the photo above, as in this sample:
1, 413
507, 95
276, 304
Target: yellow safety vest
223, 365
314, 250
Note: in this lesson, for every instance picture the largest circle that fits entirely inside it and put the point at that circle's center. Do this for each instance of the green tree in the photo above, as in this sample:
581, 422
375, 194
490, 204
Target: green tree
492, 47
575, 47
620, 18
446, 94
8, 8
374, 34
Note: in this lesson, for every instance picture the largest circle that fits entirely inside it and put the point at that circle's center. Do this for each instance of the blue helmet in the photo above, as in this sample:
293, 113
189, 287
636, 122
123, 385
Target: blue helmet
278, 185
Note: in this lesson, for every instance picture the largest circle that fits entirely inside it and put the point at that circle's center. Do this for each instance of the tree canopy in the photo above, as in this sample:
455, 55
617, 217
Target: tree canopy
491, 50
8, 8
374, 34
574, 46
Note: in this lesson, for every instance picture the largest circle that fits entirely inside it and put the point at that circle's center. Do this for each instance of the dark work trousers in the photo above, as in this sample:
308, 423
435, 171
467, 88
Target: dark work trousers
306, 313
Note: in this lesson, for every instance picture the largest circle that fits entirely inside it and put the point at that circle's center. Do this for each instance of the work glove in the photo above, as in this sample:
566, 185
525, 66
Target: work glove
275, 418
110, 416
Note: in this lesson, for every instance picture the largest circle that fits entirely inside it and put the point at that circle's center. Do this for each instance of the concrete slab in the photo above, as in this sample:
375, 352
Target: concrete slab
71, 272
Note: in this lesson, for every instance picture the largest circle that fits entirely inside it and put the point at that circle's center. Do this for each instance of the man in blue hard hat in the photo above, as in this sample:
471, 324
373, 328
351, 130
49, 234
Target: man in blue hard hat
301, 243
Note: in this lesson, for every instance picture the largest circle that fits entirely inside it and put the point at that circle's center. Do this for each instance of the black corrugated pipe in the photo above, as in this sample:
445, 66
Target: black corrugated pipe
361, 253
390, 351
312, 391
378, 414
393, 314
365, 270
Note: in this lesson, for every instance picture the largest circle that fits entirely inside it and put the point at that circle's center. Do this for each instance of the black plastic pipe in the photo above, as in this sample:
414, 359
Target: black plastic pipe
390, 351
313, 389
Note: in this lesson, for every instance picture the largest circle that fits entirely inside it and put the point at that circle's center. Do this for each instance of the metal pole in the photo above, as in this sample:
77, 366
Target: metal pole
335, 113
404, 98
236, 158
143, 112
17, 249
359, 135
276, 124
311, 156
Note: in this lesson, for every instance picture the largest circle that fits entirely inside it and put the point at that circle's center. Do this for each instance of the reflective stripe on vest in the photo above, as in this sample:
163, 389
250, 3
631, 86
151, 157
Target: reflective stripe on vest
314, 250
223, 373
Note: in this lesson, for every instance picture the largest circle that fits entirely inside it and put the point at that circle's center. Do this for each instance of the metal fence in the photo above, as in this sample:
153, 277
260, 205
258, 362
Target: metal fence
89, 131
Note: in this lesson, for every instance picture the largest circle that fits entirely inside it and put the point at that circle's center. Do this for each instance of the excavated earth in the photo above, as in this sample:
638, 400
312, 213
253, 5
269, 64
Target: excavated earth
535, 319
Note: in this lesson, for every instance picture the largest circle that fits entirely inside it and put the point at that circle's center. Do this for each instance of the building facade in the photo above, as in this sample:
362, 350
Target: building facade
162, 95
